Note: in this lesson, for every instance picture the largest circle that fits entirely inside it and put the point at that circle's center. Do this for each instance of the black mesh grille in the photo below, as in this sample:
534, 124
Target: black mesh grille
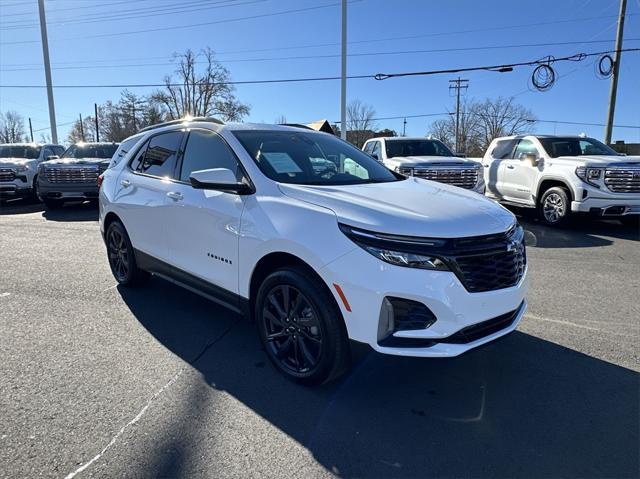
493, 270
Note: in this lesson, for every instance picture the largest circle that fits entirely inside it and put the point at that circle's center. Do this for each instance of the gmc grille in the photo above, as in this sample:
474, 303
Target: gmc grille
71, 174
462, 177
7, 174
623, 180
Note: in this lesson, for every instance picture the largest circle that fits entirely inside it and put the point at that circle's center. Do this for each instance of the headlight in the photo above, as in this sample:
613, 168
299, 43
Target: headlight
589, 175
397, 250
21, 168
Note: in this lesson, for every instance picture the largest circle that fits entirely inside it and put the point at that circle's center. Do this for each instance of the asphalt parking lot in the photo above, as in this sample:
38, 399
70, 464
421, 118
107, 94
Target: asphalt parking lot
99, 381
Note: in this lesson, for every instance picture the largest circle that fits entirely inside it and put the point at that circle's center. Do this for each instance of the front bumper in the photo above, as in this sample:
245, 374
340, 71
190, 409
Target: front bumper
366, 281
15, 189
617, 206
69, 191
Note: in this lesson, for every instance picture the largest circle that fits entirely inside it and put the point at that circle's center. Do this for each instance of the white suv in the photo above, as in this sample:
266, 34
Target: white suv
428, 159
563, 175
315, 240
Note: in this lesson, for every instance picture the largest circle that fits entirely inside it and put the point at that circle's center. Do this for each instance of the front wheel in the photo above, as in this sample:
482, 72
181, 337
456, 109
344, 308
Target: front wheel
555, 206
122, 259
301, 327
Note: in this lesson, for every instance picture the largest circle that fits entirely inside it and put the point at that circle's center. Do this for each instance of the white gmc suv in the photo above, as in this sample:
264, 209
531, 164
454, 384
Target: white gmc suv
563, 175
247, 216
428, 159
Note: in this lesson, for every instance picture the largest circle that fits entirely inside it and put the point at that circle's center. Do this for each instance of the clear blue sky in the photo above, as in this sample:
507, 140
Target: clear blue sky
374, 26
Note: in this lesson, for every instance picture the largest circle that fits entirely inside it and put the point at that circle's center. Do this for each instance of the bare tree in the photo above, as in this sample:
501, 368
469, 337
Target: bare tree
200, 92
360, 122
281, 120
11, 127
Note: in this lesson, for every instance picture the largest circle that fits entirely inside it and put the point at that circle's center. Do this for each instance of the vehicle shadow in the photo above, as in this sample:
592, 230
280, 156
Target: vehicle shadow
20, 206
580, 232
77, 211
519, 407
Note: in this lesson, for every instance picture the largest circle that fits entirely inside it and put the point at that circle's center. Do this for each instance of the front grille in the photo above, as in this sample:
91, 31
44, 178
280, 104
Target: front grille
623, 180
71, 174
485, 328
491, 262
7, 174
462, 177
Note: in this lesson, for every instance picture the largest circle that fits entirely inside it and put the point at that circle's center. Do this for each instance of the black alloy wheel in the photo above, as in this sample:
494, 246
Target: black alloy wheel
121, 257
301, 327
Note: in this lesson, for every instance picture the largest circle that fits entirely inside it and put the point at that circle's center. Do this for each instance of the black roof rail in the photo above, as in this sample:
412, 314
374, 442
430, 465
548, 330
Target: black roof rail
182, 120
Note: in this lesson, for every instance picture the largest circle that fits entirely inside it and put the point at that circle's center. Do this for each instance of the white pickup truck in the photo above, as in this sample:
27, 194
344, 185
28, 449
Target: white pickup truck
563, 175
428, 159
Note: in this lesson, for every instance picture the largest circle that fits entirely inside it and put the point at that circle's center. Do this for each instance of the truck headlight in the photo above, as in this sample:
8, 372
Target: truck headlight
21, 168
389, 248
589, 175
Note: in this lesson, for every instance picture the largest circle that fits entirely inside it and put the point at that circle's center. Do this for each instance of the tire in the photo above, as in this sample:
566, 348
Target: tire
306, 340
121, 256
35, 195
555, 206
52, 204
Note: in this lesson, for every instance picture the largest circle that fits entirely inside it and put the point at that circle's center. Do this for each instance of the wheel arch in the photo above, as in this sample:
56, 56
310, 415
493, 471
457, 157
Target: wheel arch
548, 183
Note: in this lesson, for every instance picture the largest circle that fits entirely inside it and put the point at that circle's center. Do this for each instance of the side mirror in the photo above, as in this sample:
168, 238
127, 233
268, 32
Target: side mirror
530, 157
219, 179
375, 156
52, 157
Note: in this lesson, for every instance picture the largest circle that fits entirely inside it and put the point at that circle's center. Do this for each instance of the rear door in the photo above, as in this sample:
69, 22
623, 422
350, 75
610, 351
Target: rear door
141, 193
494, 166
203, 225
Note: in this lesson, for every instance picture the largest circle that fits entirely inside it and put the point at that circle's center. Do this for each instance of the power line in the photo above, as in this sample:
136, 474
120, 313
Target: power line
201, 24
309, 57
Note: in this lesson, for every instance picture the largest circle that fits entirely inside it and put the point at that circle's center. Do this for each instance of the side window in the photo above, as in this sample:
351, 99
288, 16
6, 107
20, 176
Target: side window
368, 148
524, 147
161, 155
376, 150
206, 150
122, 151
503, 149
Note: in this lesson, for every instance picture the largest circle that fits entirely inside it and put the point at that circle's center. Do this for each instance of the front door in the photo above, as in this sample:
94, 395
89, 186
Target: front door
520, 174
203, 225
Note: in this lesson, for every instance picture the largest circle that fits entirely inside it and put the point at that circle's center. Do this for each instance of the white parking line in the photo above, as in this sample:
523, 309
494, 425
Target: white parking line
568, 323
4, 295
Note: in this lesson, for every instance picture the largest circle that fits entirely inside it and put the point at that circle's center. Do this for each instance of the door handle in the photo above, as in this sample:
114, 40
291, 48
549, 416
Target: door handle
175, 195
125, 183
511, 167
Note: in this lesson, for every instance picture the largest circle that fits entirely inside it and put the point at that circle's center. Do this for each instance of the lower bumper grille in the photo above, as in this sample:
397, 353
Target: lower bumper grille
623, 180
7, 174
462, 177
71, 175
486, 328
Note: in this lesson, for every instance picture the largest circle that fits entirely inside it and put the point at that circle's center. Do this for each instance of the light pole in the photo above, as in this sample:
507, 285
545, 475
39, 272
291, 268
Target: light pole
614, 77
47, 71
343, 80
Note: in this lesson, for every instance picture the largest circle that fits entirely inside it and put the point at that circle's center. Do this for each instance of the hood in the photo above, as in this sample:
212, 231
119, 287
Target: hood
12, 162
77, 161
601, 160
411, 207
431, 160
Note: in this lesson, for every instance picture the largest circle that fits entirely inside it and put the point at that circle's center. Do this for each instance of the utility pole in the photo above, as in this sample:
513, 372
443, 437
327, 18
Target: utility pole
343, 80
81, 128
31, 129
404, 127
95, 106
614, 77
457, 85
47, 71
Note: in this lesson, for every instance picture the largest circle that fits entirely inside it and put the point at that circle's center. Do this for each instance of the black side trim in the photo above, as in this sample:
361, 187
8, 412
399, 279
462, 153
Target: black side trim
194, 284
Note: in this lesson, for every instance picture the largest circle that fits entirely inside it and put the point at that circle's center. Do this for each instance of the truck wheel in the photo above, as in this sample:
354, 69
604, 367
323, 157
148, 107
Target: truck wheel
121, 257
35, 192
52, 204
301, 327
555, 208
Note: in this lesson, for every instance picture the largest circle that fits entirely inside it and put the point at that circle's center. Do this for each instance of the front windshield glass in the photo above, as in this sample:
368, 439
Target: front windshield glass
307, 158
90, 151
556, 147
28, 152
404, 148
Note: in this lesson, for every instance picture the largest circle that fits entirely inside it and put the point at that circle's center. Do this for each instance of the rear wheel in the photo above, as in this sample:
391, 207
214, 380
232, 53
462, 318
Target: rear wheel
122, 258
555, 207
301, 327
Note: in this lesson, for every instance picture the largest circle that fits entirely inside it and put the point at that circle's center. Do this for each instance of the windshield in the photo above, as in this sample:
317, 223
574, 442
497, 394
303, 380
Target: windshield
556, 147
403, 148
90, 151
28, 152
306, 158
